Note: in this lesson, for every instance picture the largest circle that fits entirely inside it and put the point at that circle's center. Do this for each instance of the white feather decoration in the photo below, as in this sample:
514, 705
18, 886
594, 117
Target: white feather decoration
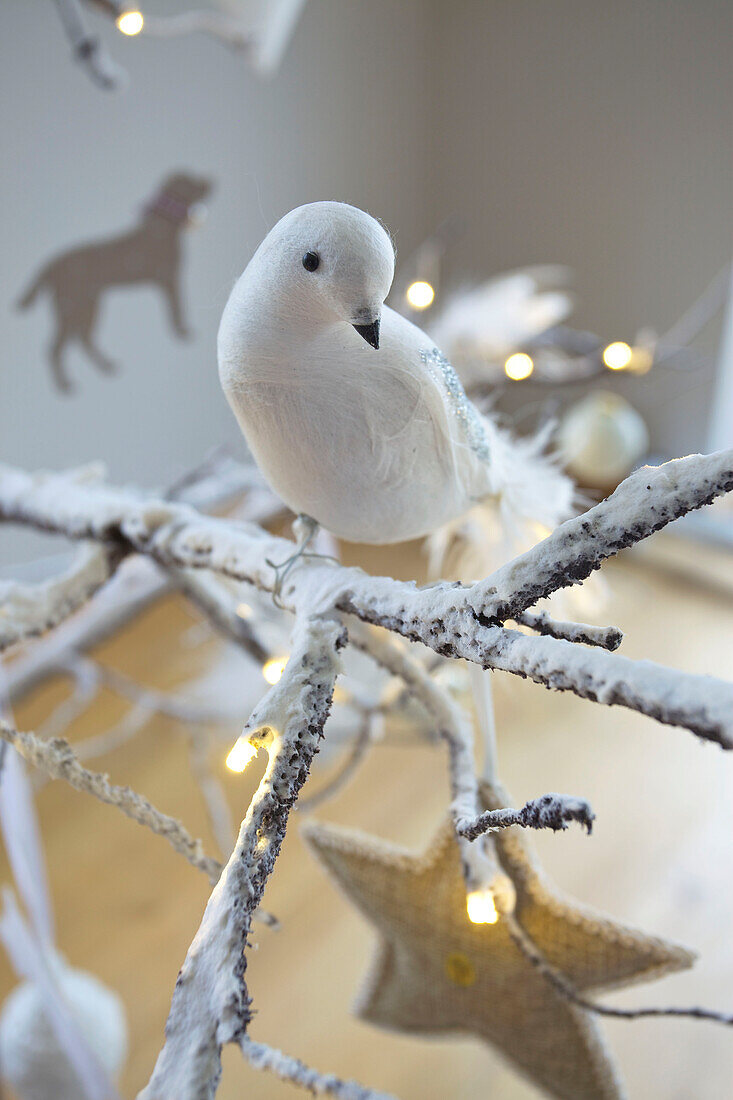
486, 323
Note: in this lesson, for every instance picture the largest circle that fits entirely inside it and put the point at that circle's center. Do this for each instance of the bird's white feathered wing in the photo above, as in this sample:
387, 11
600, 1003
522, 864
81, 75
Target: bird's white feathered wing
514, 491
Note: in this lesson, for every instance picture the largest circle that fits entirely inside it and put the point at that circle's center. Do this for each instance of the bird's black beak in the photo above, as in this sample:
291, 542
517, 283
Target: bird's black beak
370, 332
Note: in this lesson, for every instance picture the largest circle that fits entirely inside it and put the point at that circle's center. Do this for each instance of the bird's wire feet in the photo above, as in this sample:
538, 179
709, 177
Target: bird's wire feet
305, 529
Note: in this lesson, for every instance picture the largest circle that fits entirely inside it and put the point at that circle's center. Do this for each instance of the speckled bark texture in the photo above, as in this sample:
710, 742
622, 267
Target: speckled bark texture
211, 1003
549, 811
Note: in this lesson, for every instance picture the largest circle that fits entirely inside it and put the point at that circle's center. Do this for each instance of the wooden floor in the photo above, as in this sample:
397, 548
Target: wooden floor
661, 856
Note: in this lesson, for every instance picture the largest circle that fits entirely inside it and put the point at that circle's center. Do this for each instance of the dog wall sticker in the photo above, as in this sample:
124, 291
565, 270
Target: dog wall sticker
149, 253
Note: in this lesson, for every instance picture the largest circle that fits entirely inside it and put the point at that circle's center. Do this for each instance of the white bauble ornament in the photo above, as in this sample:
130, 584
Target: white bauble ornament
32, 1062
601, 438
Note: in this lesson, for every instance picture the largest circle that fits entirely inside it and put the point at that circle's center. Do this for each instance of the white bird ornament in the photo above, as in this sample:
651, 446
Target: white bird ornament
353, 415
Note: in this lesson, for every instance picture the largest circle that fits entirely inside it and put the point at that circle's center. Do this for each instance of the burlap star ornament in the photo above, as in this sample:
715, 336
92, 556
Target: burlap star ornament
436, 972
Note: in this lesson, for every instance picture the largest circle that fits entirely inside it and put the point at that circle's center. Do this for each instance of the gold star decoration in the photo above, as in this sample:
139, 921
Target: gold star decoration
435, 972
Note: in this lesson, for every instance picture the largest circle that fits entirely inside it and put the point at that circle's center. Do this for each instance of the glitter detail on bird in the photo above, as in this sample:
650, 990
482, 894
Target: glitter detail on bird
353, 416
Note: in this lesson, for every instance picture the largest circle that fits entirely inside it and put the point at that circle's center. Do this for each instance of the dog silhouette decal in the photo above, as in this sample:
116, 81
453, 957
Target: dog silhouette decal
149, 253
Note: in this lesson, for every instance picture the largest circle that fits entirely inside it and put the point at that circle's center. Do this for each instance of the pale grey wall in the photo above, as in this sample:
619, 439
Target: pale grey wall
344, 118
598, 135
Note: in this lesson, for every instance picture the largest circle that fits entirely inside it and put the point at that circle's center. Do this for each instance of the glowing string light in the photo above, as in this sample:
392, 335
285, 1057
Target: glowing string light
481, 908
273, 669
420, 295
617, 355
130, 22
240, 755
518, 366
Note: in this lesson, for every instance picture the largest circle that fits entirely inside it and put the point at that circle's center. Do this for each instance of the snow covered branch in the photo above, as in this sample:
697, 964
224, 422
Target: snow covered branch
211, 1004
645, 502
453, 620
607, 637
57, 758
549, 811
30, 609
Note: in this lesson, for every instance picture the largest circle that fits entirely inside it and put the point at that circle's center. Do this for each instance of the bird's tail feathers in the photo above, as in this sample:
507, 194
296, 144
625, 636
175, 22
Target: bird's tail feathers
527, 481
529, 496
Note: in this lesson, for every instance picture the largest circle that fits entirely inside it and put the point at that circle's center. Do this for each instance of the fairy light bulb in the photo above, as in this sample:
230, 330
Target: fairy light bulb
420, 294
481, 908
241, 754
273, 669
518, 366
617, 355
244, 611
130, 22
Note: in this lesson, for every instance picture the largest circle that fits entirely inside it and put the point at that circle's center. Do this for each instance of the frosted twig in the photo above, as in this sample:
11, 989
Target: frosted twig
479, 862
207, 592
284, 1066
217, 809
454, 621
139, 581
57, 758
645, 502
702, 704
559, 982
452, 724
86, 678
549, 811
30, 609
211, 1005
99, 744
160, 702
607, 637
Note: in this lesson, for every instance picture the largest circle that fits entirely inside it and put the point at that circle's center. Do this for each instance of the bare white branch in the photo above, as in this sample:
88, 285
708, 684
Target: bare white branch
217, 807
208, 593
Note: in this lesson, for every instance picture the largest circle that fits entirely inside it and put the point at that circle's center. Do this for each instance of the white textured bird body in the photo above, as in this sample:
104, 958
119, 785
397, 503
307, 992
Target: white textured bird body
377, 445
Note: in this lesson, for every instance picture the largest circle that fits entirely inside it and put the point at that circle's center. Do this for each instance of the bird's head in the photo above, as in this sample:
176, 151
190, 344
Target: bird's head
331, 261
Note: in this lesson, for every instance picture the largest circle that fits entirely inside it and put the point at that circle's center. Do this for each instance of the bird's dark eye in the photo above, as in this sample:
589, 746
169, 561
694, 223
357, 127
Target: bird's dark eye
311, 261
